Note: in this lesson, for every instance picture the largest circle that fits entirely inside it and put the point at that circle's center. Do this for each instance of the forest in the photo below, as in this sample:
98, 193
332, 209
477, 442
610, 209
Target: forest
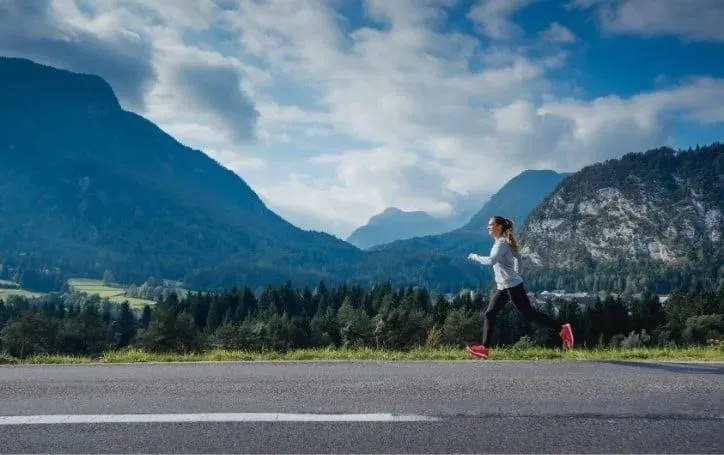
383, 317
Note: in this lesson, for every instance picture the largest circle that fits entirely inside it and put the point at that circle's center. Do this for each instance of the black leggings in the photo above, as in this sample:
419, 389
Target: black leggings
519, 297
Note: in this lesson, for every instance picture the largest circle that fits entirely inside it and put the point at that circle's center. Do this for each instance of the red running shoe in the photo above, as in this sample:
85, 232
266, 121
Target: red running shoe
566, 334
478, 350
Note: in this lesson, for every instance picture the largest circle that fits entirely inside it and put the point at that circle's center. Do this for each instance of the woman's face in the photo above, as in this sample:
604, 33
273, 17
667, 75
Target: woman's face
494, 229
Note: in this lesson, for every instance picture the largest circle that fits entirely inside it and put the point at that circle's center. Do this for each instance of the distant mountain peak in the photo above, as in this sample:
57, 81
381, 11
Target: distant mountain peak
515, 200
394, 224
517, 197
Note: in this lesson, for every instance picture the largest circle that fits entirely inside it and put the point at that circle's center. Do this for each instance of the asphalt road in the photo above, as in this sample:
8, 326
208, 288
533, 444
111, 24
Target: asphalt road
472, 407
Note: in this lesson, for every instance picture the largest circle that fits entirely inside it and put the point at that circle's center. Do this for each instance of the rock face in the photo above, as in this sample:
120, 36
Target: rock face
650, 212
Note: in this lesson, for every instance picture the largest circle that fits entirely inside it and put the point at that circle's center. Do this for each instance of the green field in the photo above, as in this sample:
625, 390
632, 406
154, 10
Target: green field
6, 292
87, 285
114, 294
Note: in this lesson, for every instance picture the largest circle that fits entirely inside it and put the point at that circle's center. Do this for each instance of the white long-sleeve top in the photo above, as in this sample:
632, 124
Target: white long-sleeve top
507, 265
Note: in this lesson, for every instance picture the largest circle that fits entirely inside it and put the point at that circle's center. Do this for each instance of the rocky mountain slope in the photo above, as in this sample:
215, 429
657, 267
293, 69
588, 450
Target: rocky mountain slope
649, 219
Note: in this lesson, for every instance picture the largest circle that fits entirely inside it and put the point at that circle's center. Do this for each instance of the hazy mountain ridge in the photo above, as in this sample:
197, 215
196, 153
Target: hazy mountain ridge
515, 199
395, 224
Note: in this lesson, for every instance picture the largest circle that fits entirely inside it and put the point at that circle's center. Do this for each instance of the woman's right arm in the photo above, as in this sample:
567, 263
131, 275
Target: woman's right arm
494, 257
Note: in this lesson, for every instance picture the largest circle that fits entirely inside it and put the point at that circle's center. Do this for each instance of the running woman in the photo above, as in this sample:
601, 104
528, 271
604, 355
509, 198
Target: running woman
507, 268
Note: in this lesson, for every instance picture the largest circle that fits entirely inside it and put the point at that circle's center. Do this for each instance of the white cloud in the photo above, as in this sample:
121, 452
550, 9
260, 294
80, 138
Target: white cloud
216, 89
493, 17
516, 117
557, 33
610, 126
111, 44
348, 121
690, 20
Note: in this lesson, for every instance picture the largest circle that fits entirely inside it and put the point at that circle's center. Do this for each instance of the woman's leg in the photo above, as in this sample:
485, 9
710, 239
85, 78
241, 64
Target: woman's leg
497, 302
522, 302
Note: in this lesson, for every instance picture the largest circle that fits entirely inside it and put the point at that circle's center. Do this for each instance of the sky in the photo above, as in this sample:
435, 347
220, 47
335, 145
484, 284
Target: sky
333, 110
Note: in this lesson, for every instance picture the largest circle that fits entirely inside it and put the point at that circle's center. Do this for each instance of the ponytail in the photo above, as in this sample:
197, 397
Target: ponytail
507, 226
511, 240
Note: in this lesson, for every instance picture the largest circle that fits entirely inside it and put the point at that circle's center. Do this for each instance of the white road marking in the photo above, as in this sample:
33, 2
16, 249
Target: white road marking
207, 417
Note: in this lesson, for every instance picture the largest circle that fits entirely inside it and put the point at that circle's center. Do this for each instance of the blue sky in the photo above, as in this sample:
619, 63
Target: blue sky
333, 110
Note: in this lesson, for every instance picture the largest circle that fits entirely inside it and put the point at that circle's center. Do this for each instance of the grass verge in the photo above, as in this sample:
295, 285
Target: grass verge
701, 353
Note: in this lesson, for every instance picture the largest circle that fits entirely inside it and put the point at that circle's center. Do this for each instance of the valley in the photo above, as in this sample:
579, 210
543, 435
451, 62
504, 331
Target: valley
142, 208
265, 226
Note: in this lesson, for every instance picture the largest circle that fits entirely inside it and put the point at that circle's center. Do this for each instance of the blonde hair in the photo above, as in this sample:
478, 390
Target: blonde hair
507, 226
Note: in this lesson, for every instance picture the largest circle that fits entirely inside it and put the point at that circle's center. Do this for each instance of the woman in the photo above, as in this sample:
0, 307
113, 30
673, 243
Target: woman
504, 257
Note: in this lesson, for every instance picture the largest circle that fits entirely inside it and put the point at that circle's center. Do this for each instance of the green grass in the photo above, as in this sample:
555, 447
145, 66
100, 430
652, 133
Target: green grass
112, 293
94, 287
701, 353
90, 287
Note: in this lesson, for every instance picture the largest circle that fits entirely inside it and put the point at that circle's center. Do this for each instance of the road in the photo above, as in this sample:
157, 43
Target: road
364, 407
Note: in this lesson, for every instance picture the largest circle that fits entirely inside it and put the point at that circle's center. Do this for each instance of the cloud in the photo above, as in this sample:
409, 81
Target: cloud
61, 35
333, 118
493, 17
689, 20
342, 190
217, 89
557, 33
434, 114
597, 129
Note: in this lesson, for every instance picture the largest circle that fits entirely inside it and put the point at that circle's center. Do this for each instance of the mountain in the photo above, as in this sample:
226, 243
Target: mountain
86, 186
395, 224
648, 220
515, 200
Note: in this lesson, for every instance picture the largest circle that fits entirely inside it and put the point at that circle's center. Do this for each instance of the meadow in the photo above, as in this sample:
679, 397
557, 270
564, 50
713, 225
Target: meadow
112, 293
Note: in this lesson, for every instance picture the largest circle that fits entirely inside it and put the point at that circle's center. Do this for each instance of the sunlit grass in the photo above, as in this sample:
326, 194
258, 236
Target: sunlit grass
132, 355
112, 293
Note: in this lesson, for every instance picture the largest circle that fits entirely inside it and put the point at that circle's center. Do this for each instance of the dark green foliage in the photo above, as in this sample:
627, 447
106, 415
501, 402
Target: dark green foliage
282, 318
125, 326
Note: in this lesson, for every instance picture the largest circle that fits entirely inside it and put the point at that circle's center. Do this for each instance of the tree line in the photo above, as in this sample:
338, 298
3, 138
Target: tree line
384, 317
